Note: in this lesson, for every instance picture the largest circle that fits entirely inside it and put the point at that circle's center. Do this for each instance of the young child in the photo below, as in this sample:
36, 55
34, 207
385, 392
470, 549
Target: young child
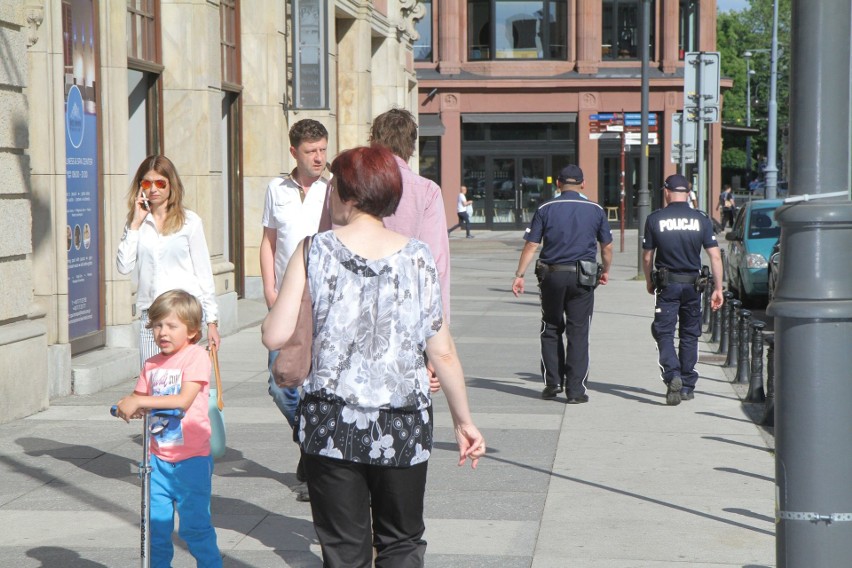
181, 464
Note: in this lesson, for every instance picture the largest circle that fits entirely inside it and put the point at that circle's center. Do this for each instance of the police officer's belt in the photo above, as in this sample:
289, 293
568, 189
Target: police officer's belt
683, 278
559, 267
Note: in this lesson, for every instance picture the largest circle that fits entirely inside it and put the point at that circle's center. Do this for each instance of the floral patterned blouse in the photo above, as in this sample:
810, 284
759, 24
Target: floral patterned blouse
367, 397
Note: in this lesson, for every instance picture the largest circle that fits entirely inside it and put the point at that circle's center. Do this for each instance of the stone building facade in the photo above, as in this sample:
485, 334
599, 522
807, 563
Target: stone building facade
214, 85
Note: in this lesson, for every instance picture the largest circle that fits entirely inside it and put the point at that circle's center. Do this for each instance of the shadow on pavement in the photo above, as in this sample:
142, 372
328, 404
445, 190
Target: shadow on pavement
51, 556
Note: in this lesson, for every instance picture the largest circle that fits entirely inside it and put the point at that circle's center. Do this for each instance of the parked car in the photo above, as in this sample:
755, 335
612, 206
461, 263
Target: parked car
750, 245
774, 261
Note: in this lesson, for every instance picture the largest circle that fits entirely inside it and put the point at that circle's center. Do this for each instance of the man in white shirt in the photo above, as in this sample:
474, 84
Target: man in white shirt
464, 209
293, 209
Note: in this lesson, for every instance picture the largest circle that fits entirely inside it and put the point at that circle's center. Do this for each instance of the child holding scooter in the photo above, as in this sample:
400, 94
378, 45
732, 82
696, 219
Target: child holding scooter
181, 467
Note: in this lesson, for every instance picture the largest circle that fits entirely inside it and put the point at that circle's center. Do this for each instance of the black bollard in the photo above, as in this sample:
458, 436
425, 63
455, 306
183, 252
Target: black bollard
755, 377
734, 335
715, 325
706, 318
742, 355
725, 317
769, 407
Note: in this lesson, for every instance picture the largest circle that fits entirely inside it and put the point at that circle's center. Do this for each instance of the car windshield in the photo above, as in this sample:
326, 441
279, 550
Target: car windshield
762, 224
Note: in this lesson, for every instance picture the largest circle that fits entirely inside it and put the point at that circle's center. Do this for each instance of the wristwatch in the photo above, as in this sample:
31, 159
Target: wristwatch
519, 275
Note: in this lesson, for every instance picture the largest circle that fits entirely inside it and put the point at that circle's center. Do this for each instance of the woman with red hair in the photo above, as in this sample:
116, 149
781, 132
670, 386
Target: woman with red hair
365, 417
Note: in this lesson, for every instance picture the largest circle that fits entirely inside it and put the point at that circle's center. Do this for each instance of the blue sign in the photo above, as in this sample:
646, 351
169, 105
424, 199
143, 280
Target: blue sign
630, 118
83, 197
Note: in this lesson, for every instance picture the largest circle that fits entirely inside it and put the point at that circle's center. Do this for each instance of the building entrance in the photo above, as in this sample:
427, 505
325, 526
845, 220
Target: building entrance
609, 176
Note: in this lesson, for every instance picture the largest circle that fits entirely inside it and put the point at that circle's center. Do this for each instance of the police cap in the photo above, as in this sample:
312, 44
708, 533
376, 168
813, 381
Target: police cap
571, 174
677, 182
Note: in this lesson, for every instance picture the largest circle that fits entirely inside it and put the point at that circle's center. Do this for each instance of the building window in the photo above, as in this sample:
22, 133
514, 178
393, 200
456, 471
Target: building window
517, 29
310, 48
144, 70
687, 33
228, 40
142, 33
621, 30
423, 45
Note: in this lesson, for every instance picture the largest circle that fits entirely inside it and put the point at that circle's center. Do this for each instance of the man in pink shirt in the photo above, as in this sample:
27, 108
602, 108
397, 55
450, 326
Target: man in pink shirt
420, 213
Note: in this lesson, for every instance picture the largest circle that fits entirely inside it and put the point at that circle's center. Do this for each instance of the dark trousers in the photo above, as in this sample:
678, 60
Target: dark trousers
343, 494
678, 305
464, 220
566, 307
727, 217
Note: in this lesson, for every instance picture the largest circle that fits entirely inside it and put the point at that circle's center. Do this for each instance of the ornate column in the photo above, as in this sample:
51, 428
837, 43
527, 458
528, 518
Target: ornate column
449, 38
669, 53
588, 27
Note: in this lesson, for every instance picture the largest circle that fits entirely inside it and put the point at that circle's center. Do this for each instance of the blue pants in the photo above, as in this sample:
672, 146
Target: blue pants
678, 305
286, 399
184, 485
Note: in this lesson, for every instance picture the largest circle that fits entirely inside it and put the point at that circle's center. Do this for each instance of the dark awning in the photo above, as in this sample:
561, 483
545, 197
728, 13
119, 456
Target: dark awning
430, 125
518, 117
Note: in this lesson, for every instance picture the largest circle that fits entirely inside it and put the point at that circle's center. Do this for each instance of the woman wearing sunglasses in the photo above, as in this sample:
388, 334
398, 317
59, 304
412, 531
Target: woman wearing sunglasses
164, 247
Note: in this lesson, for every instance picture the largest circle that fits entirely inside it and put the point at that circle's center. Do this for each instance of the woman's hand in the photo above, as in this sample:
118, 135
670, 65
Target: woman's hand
139, 211
471, 444
213, 336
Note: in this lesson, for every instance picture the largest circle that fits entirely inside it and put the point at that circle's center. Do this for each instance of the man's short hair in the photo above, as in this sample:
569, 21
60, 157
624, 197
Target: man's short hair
395, 129
307, 130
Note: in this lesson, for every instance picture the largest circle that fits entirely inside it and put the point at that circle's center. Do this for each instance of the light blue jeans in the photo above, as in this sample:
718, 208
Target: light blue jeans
287, 399
185, 486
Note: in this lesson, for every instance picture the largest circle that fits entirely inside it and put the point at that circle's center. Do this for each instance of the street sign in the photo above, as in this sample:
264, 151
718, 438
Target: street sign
636, 138
685, 139
710, 73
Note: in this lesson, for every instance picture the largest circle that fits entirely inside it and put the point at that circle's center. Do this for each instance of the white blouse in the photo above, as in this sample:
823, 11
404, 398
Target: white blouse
178, 261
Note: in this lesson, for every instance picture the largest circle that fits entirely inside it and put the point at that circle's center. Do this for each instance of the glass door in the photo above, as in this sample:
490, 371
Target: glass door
532, 189
517, 189
503, 199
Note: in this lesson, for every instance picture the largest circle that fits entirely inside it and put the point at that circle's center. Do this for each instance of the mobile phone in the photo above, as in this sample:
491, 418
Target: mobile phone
145, 202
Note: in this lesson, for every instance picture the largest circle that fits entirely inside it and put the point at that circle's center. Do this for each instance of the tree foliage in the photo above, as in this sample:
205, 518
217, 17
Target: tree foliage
751, 30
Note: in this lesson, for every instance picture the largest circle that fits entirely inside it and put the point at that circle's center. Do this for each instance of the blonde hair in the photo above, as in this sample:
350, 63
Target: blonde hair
183, 305
175, 213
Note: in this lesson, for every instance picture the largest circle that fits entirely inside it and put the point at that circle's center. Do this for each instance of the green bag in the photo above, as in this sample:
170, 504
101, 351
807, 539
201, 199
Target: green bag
215, 406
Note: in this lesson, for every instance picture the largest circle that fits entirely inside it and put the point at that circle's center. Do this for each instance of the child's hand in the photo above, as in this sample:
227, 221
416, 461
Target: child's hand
128, 407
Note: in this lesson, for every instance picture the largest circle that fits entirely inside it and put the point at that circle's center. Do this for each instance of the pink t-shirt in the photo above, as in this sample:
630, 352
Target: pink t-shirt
421, 215
163, 375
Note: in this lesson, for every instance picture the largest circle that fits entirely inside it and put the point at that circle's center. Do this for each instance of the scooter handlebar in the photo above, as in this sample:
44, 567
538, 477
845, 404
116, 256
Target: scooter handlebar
156, 412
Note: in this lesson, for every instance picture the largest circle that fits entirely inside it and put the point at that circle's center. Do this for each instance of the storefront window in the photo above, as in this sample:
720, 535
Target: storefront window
621, 31
430, 157
688, 27
423, 45
517, 29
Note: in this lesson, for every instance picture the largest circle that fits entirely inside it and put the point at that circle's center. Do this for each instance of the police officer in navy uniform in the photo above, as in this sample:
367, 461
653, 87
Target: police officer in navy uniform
571, 226
672, 245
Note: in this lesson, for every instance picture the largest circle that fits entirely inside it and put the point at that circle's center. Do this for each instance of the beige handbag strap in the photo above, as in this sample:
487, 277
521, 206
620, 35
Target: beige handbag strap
214, 355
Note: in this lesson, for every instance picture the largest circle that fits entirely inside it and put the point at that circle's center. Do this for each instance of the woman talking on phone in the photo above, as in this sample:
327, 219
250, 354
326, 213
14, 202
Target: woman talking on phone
164, 247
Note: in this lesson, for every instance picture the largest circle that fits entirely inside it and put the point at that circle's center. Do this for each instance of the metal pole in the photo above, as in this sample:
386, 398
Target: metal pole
747, 56
643, 201
813, 314
682, 170
699, 153
622, 180
771, 137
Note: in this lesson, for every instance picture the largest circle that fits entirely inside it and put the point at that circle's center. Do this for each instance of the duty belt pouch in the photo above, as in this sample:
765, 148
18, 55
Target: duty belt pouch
540, 270
660, 278
587, 273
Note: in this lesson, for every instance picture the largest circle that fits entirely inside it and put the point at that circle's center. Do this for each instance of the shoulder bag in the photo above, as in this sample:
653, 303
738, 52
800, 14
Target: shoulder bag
214, 410
293, 363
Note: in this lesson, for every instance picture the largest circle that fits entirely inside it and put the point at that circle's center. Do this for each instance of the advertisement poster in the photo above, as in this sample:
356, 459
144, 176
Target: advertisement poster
81, 163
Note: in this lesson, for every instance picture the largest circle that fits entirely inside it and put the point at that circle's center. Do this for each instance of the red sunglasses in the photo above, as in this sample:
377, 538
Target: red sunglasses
146, 184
